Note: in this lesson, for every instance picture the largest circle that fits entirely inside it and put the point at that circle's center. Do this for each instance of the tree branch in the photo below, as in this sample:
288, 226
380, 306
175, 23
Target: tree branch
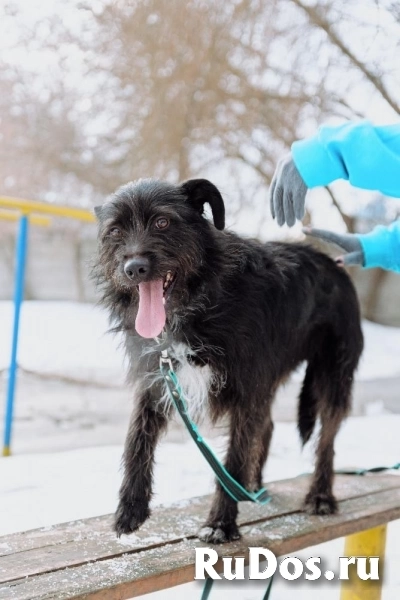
318, 20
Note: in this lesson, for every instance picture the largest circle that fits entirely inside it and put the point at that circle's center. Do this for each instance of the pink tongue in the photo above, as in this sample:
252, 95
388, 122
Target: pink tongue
150, 319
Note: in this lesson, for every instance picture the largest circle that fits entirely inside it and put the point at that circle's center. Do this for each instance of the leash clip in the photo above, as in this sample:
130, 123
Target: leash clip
165, 359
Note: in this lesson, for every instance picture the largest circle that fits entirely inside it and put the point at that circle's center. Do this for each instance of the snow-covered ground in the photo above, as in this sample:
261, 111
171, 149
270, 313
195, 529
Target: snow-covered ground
42, 488
63, 338
70, 339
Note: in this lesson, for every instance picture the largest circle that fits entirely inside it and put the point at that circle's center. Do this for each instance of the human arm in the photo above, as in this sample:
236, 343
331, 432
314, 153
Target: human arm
367, 156
379, 248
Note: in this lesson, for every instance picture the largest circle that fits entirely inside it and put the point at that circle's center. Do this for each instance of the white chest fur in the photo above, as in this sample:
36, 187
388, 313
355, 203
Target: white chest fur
195, 381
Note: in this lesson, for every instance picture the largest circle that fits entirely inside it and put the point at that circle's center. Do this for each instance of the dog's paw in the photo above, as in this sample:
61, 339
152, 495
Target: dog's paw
130, 516
219, 533
320, 504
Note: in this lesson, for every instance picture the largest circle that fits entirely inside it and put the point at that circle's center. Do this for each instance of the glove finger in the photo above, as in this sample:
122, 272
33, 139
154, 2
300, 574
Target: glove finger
299, 204
271, 196
353, 258
327, 236
278, 205
289, 209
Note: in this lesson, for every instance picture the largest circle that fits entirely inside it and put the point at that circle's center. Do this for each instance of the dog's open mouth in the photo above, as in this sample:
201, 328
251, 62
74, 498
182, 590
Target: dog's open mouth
151, 317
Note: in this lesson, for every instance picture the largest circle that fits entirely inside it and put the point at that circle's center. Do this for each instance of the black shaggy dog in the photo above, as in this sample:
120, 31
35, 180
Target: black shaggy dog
239, 317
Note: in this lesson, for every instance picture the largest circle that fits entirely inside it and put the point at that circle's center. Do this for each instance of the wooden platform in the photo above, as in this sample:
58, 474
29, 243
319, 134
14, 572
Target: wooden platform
84, 559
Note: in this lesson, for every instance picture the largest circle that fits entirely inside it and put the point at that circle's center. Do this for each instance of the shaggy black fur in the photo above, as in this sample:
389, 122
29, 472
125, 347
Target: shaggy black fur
252, 312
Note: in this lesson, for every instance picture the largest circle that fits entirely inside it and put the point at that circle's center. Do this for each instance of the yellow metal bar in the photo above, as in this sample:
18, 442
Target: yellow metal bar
366, 543
9, 215
32, 206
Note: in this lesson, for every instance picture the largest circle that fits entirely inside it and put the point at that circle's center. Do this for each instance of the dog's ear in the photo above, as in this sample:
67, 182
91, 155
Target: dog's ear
200, 191
97, 211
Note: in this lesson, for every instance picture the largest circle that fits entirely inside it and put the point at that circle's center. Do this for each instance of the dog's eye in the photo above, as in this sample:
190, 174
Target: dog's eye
115, 232
162, 223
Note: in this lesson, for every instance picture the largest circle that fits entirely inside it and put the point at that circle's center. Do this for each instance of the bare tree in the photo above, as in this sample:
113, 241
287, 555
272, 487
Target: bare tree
203, 81
168, 88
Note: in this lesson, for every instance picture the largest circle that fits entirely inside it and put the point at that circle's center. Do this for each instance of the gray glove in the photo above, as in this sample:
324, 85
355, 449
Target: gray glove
349, 242
287, 193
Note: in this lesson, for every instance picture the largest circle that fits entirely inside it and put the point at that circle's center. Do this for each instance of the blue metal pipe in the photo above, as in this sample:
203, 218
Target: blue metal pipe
21, 251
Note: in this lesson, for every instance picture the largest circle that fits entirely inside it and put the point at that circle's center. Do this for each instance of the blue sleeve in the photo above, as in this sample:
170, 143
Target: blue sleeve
382, 247
367, 156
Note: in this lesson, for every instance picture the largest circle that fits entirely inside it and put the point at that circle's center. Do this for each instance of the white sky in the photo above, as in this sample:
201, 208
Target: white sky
377, 40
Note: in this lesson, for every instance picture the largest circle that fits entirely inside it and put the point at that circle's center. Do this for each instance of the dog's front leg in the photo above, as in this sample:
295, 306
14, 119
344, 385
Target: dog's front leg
243, 463
136, 489
221, 526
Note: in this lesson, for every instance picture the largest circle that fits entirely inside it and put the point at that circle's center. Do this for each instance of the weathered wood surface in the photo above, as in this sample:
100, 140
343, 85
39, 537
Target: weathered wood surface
84, 559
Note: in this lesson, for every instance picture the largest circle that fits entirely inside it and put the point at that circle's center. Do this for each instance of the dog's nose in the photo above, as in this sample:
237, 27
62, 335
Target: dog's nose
137, 268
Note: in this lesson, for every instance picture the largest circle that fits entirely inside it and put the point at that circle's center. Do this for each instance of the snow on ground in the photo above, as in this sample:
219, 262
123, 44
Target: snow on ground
40, 489
381, 356
63, 338
70, 339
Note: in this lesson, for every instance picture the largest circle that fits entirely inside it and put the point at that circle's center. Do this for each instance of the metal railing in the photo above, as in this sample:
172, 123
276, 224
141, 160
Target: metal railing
27, 212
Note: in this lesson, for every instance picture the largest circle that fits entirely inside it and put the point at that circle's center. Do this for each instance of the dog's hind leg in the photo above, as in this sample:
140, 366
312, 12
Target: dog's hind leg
333, 381
248, 447
136, 489
262, 449
320, 499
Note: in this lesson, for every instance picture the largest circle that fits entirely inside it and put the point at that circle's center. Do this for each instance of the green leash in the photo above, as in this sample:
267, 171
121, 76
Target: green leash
268, 590
365, 471
207, 588
210, 582
232, 487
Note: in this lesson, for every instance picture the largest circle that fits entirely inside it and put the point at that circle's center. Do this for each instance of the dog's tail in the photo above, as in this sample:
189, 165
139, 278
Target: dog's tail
308, 406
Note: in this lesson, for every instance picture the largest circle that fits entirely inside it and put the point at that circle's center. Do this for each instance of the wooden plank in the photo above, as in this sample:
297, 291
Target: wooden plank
134, 574
345, 487
172, 524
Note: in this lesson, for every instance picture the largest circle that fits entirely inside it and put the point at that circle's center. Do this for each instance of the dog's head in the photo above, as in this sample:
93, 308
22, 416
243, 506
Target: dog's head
154, 244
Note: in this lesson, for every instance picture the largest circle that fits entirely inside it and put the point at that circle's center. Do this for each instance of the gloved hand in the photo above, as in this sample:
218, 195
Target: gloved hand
287, 193
349, 242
